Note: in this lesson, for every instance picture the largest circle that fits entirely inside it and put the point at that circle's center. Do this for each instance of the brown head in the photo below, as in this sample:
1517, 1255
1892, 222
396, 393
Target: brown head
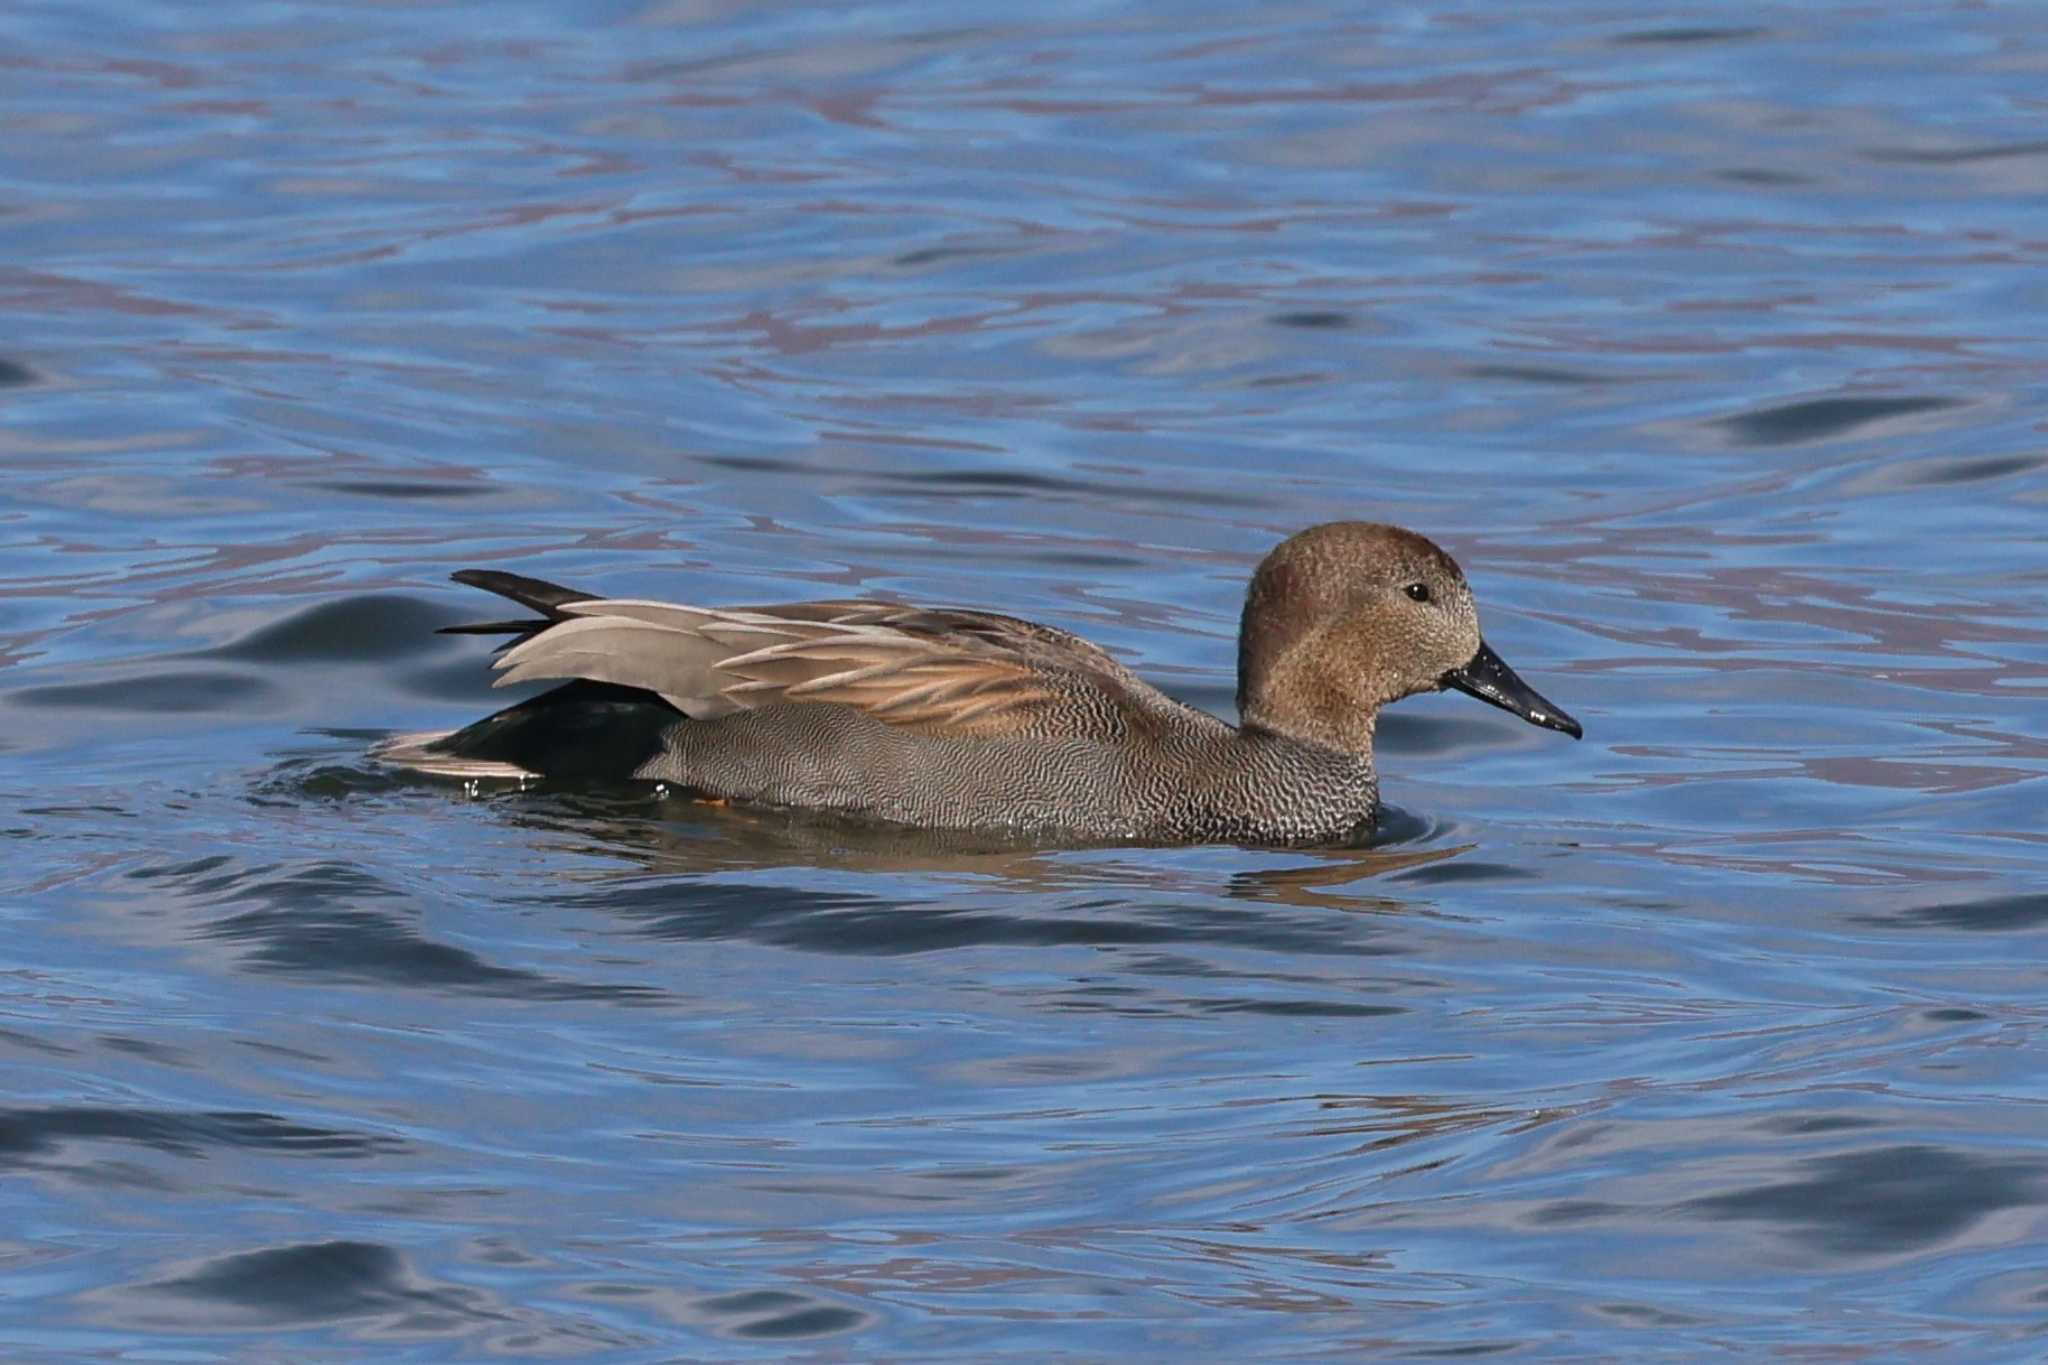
1345, 617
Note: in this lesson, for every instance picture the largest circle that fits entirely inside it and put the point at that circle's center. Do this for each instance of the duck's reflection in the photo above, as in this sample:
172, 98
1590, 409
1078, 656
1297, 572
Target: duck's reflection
689, 843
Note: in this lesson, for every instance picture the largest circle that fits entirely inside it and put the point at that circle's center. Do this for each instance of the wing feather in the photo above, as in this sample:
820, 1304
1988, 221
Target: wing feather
929, 669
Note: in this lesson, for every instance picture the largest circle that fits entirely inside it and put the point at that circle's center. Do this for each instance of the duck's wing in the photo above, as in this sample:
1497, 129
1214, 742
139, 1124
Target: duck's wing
936, 670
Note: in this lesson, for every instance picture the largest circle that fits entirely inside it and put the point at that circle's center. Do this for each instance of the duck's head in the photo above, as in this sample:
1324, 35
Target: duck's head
1343, 618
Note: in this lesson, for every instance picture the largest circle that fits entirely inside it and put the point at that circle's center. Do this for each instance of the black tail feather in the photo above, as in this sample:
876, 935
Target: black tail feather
527, 627
544, 597
537, 593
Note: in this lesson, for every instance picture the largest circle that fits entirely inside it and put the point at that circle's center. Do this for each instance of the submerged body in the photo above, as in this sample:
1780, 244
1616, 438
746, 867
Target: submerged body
969, 720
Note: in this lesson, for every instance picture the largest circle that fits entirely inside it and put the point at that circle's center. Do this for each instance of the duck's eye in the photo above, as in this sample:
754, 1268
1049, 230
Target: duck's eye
1418, 591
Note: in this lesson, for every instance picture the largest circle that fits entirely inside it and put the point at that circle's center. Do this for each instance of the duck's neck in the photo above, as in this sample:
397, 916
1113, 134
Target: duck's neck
1341, 728
1307, 691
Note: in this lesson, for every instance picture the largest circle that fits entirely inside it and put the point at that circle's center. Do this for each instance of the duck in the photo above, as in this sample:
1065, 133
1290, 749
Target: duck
960, 719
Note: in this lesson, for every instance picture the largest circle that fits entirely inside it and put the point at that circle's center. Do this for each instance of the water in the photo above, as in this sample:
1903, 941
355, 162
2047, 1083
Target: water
1713, 348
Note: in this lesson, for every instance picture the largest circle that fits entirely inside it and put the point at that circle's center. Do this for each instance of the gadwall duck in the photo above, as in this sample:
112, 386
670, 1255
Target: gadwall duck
947, 718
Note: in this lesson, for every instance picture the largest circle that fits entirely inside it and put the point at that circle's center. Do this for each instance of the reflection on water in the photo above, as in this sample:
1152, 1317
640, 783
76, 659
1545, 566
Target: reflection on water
1711, 349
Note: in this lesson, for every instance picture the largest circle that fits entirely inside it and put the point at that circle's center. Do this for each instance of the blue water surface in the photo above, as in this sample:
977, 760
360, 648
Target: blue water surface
1710, 339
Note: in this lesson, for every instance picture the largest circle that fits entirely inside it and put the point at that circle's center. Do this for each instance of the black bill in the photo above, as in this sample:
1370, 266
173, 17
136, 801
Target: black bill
1491, 680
